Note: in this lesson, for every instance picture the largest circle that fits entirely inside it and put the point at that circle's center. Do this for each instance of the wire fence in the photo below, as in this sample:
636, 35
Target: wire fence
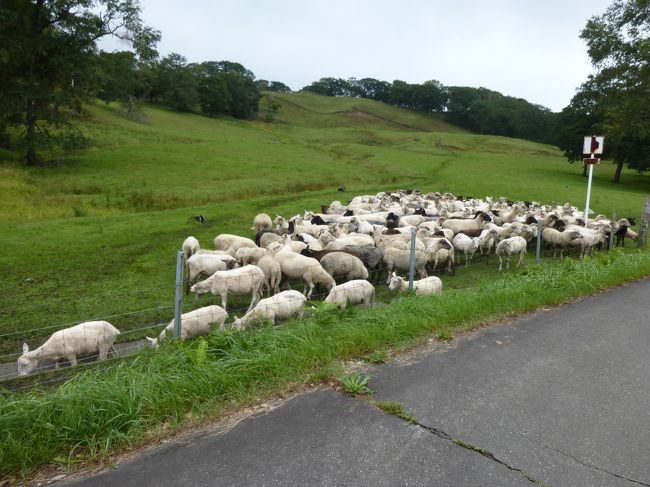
228, 298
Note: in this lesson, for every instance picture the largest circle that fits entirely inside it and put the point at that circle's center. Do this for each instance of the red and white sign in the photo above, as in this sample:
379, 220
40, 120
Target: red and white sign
593, 144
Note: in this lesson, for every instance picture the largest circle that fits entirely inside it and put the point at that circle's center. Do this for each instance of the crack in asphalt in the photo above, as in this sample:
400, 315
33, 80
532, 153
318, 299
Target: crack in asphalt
588, 465
481, 451
463, 444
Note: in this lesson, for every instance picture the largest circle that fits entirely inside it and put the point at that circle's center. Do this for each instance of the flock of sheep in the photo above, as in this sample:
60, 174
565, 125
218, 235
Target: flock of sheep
353, 244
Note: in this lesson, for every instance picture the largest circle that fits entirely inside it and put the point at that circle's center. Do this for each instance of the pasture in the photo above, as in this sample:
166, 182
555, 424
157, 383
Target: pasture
94, 233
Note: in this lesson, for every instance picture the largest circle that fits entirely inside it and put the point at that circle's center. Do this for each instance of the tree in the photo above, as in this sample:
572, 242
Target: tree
279, 87
618, 43
214, 96
46, 55
177, 82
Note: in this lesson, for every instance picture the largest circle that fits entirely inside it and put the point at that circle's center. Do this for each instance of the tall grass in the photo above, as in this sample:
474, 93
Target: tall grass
100, 411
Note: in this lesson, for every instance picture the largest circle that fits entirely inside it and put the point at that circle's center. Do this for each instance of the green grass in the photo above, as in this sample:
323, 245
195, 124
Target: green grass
95, 234
156, 392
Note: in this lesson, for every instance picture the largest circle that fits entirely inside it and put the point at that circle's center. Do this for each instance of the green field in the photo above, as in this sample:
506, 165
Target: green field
95, 233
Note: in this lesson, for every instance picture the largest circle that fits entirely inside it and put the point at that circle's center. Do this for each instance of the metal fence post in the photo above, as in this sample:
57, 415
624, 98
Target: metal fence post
645, 220
538, 253
412, 262
178, 300
611, 232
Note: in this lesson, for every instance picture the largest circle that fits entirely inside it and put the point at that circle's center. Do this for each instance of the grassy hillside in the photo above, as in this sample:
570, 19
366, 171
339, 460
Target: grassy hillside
94, 234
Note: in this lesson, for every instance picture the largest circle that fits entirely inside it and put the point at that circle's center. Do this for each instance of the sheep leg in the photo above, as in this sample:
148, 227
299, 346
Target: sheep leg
521, 258
224, 300
500, 263
508, 262
255, 297
422, 272
72, 359
311, 288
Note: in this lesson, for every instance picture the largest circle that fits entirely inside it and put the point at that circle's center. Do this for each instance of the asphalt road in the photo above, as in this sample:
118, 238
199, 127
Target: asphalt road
559, 398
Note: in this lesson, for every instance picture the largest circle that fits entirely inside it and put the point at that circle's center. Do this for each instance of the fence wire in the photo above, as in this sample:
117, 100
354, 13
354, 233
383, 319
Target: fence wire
250, 297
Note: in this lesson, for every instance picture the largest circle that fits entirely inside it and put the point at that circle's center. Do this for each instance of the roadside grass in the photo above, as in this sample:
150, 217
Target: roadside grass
156, 392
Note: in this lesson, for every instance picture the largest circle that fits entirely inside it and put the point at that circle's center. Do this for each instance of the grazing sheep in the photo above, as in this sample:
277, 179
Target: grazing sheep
559, 239
190, 247
267, 239
262, 221
466, 245
429, 285
297, 266
272, 273
230, 243
343, 264
510, 246
444, 254
281, 306
356, 292
486, 240
400, 259
194, 324
206, 264
82, 340
249, 255
244, 280
469, 225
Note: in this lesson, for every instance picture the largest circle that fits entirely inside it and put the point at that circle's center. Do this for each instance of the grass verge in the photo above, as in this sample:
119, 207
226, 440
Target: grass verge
99, 412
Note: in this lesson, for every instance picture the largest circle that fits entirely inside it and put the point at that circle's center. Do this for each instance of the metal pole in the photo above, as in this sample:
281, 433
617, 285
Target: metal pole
179, 294
538, 254
611, 232
412, 262
591, 171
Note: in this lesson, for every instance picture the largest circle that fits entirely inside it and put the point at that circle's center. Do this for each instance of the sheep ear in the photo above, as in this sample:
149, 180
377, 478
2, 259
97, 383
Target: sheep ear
25, 348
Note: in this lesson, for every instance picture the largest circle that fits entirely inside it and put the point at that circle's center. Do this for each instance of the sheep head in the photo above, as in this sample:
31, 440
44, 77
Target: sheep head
28, 361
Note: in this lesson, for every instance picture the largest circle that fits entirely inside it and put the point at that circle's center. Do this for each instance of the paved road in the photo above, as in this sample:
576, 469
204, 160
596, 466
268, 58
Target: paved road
560, 398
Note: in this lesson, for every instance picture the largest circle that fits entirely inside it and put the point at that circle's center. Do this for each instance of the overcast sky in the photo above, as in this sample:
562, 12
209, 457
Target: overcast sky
523, 48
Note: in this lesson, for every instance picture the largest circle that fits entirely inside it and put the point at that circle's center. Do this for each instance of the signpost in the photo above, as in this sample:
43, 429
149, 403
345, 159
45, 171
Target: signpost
592, 145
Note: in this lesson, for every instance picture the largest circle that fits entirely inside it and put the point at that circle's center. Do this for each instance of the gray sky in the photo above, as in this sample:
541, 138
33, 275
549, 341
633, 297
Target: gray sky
524, 48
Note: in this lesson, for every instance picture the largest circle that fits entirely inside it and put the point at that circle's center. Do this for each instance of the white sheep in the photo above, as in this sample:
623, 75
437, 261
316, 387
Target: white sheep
356, 292
466, 245
272, 273
230, 243
194, 324
400, 259
190, 247
510, 246
82, 340
249, 255
207, 264
468, 225
297, 266
261, 222
429, 285
244, 280
559, 239
279, 307
486, 240
342, 264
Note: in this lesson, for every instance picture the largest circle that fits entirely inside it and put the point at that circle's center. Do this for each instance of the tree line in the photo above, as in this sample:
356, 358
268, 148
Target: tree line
477, 109
50, 65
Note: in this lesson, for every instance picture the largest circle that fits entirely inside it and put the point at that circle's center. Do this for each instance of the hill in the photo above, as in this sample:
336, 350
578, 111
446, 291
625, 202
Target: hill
95, 233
